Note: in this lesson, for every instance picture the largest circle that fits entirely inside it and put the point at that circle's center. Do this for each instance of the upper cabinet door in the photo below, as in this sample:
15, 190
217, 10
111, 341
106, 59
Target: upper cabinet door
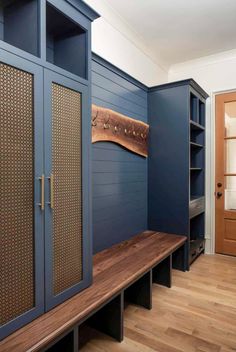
21, 193
67, 225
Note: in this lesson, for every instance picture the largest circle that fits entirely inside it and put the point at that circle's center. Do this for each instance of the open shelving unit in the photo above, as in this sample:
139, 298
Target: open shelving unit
176, 163
66, 42
196, 145
19, 25
66, 45
197, 176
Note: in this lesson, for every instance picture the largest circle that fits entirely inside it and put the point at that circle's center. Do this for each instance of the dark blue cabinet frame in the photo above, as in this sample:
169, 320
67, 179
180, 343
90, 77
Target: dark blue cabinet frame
169, 162
37, 72
44, 74
50, 78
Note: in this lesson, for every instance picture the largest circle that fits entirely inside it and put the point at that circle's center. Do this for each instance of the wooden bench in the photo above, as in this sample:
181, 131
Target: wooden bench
124, 271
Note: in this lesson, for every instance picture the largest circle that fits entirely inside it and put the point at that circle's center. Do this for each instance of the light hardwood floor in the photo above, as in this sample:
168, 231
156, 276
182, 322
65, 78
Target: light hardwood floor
198, 314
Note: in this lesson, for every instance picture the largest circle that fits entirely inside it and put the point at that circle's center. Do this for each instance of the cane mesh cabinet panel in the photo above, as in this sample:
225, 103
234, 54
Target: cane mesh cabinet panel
16, 193
66, 167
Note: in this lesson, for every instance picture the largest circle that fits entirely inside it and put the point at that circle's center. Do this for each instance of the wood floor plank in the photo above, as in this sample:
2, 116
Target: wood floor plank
198, 314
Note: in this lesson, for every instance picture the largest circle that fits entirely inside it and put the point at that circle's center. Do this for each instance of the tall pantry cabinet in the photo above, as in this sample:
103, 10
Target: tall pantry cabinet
45, 227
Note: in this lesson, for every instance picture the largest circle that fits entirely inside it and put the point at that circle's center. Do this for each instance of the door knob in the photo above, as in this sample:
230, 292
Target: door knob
219, 194
219, 184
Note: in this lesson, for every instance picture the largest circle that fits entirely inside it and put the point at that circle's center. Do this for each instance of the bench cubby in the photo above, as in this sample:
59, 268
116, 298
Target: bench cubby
68, 342
140, 292
110, 319
162, 273
122, 274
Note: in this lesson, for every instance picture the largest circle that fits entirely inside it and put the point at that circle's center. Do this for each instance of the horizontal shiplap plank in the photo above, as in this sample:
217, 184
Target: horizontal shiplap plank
109, 201
119, 176
116, 167
118, 80
121, 212
109, 146
98, 92
119, 108
110, 86
112, 178
117, 188
111, 232
117, 155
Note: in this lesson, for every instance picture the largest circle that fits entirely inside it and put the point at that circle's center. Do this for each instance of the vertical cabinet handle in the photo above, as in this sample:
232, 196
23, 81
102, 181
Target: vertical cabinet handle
52, 191
42, 204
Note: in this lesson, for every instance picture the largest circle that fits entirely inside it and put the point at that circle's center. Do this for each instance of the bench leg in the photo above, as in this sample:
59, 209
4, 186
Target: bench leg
76, 339
140, 292
162, 273
180, 258
69, 342
109, 319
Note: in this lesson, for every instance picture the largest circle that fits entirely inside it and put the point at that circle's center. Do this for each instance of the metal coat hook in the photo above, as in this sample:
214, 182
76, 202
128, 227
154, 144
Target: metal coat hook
94, 123
115, 127
106, 123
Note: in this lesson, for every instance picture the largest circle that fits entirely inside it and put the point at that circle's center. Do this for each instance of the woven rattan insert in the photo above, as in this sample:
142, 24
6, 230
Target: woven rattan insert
66, 167
16, 193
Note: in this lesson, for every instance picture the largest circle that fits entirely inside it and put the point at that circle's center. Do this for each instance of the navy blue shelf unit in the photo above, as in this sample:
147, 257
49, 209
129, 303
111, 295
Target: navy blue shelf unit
176, 169
45, 180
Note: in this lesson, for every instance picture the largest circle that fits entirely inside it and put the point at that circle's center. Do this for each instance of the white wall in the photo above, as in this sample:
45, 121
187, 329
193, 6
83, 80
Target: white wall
116, 42
215, 73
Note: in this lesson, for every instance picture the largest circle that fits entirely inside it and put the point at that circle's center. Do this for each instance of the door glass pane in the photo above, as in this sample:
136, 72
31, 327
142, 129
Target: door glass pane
16, 193
230, 193
230, 156
66, 167
230, 119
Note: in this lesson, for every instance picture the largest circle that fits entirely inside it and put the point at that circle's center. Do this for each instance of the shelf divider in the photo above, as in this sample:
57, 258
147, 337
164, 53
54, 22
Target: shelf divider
196, 125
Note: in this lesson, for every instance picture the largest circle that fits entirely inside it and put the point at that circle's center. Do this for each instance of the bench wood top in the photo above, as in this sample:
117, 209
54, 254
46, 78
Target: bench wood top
114, 269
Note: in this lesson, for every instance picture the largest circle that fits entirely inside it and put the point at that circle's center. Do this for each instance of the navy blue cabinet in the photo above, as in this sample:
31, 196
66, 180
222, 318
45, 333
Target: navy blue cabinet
68, 262
21, 181
45, 82
176, 169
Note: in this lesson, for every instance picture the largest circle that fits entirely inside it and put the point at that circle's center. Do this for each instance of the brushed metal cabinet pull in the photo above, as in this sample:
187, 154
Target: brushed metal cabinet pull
42, 204
52, 191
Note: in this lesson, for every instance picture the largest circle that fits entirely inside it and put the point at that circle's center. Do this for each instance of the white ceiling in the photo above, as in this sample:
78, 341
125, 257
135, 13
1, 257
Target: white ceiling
179, 30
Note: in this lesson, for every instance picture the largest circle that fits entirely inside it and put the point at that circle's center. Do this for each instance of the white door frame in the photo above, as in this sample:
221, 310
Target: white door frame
210, 169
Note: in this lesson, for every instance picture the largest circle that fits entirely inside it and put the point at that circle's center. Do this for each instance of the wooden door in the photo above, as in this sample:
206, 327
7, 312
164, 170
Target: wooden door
225, 188
21, 193
68, 255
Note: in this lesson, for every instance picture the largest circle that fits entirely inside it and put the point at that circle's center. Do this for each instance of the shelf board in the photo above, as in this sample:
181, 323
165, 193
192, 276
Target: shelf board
196, 248
196, 145
200, 212
197, 242
192, 198
195, 169
196, 126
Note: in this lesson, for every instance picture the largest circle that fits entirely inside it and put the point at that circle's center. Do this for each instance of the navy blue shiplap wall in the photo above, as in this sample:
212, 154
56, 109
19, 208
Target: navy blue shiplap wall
119, 176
